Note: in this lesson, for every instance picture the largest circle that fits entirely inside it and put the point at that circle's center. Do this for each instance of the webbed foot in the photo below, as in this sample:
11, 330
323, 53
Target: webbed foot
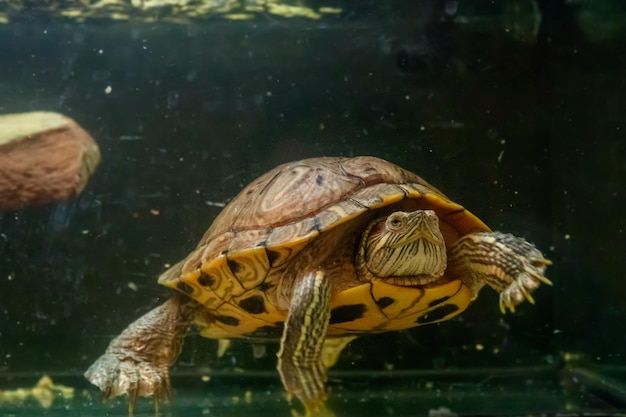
510, 265
118, 374
137, 362
528, 273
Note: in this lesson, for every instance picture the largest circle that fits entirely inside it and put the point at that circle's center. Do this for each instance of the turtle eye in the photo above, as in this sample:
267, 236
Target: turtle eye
396, 222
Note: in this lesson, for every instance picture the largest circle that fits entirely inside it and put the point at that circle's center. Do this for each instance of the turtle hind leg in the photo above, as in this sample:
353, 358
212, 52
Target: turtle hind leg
300, 364
508, 264
137, 362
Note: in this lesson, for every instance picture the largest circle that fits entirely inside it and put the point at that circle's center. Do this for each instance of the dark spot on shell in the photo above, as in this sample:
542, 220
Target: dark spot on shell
317, 225
440, 313
264, 286
234, 266
385, 302
272, 256
206, 280
346, 313
184, 287
253, 305
229, 320
438, 301
268, 332
319, 180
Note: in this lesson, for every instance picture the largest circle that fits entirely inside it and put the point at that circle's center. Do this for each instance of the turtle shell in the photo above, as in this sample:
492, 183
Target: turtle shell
240, 260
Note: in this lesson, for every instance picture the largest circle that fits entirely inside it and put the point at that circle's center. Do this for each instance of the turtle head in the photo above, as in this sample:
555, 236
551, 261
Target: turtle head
403, 248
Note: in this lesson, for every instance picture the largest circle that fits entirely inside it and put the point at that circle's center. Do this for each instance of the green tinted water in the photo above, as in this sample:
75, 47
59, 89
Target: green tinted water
523, 391
515, 109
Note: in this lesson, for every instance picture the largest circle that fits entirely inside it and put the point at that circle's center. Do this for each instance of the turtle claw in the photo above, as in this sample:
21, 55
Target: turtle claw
510, 265
119, 374
529, 278
137, 362
132, 399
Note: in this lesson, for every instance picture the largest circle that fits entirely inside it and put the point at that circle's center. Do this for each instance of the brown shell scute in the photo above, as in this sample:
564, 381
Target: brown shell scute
373, 170
297, 190
275, 195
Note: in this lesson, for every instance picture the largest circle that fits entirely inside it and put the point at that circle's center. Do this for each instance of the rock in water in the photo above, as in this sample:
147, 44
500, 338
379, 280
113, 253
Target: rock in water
44, 157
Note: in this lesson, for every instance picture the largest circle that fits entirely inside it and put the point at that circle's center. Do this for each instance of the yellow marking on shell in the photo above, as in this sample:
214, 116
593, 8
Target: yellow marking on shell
247, 323
378, 195
360, 294
269, 314
201, 294
411, 300
409, 304
281, 254
228, 322
401, 299
223, 282
205, 321
461, 298
250, 266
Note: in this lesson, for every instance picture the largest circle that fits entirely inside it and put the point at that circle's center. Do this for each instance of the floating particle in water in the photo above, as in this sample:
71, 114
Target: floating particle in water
172, 99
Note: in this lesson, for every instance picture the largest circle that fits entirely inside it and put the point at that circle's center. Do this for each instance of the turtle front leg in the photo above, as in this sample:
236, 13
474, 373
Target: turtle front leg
508, 264
300, 364
137, 361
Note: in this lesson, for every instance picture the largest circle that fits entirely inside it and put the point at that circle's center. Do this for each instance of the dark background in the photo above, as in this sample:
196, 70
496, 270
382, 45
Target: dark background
519, 118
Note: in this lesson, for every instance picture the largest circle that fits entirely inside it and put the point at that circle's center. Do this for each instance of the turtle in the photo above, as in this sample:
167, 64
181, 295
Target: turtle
311, 255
